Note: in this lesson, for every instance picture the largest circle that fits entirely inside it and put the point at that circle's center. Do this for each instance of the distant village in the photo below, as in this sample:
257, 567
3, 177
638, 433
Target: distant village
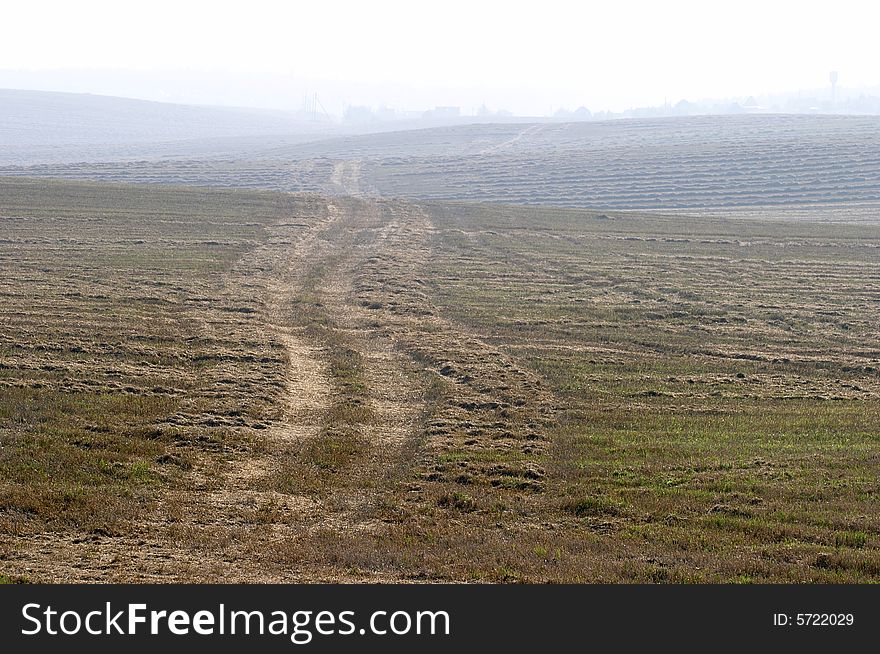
822, 101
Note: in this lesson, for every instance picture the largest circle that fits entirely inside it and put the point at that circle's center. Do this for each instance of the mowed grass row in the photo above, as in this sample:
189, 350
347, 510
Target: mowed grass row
127, 347
669, 163
718, 384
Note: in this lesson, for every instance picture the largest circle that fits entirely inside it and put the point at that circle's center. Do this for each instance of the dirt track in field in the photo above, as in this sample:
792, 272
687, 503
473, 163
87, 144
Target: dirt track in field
345, 278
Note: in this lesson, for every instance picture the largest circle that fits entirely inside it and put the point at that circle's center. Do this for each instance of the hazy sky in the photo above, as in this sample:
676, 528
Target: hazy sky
530, 56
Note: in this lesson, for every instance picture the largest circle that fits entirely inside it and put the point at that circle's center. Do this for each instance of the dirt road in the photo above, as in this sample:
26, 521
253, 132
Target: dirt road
376, 388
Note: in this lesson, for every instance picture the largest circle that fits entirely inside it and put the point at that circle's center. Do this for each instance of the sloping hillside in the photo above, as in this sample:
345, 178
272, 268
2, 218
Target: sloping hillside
661, 164
43, 127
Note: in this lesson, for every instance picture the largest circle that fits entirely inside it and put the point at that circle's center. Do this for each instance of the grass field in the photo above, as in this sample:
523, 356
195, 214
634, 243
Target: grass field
717, 385
671, 163
127, 350
249, 386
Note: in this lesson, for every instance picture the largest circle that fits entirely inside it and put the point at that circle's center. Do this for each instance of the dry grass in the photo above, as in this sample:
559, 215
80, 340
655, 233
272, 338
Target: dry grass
717, 385
512, 394
124, 352
670, 163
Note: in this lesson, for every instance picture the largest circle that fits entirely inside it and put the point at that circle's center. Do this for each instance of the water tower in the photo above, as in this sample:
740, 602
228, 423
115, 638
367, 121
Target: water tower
833, 77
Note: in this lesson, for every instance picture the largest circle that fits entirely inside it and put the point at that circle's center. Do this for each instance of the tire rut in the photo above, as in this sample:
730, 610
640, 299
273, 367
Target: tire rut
346, 276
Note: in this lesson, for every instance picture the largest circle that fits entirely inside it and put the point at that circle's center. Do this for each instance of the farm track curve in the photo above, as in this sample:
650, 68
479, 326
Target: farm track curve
347, 277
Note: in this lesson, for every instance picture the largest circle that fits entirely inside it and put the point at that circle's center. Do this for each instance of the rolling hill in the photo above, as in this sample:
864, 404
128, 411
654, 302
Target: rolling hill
722, 162
45, 127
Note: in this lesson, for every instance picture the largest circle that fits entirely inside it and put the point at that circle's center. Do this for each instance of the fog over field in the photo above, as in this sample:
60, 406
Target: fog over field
526, 61
660, 163
461, 292
762, 112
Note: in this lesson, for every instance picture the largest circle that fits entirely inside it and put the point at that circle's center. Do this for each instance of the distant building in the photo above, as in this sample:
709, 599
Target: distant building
443, 112
751, 105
